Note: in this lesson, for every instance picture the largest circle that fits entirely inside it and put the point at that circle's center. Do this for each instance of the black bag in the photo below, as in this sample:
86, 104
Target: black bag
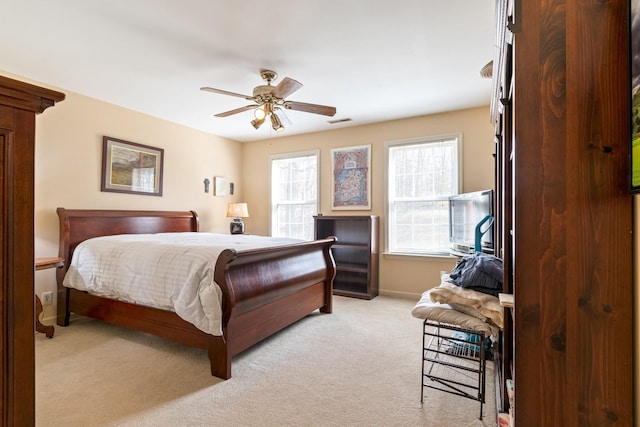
480, 272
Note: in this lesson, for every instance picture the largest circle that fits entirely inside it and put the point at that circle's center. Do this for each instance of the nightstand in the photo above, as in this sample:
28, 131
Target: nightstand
43, 264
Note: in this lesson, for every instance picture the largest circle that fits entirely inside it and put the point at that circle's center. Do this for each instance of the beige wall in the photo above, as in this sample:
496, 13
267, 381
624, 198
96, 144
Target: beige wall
398, 275
69, 161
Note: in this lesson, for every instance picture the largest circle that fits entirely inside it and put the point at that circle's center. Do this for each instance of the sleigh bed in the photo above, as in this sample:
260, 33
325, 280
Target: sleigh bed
262, 290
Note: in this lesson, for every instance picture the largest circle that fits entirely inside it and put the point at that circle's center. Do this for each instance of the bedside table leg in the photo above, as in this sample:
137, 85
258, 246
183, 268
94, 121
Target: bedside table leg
48, 330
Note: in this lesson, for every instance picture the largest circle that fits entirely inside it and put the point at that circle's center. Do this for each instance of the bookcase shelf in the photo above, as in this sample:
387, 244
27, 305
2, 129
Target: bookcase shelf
355, 253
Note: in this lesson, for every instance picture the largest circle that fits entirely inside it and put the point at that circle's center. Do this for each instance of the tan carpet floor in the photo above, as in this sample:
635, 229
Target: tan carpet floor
359, 366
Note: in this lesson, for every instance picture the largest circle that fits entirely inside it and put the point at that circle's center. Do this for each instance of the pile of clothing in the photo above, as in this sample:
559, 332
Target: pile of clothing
471, 290
480, 272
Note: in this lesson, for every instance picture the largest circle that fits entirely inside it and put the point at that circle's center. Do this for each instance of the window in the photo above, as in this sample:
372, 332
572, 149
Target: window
422, 174
294, 194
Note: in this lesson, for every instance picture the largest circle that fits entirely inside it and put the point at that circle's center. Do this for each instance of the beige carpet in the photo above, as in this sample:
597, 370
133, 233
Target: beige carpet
359, 366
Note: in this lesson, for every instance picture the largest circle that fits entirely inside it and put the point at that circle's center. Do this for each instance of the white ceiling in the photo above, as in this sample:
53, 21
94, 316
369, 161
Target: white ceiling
374, 60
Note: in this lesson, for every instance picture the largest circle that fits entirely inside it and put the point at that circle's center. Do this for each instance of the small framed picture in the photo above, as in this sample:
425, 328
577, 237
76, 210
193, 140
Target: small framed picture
219, 186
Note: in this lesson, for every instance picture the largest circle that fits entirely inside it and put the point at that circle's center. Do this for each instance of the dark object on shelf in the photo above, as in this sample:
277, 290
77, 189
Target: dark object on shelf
355, 253
480, 272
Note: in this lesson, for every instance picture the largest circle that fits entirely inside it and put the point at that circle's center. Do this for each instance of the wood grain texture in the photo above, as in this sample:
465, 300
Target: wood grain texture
540, 221
600, 316
572, 218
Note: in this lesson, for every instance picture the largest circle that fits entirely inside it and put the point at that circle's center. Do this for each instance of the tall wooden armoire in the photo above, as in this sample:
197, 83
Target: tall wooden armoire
561, 107
19, 103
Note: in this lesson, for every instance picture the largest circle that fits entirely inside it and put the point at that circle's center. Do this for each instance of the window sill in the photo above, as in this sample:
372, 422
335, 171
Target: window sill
406, 255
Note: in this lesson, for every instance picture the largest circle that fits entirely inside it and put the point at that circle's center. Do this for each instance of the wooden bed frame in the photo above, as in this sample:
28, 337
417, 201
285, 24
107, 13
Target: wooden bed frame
264, 290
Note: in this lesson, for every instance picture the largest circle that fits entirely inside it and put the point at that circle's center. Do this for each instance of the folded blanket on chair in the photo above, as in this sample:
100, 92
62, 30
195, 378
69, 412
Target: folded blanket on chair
477, 304
444, 313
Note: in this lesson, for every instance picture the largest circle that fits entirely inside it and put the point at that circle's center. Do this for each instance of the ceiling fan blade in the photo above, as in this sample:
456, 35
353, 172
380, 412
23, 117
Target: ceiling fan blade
286, 87
226, 92
237, 110
325, 110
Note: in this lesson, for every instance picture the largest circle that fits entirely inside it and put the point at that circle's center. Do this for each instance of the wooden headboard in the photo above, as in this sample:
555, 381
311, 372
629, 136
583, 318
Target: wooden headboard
77, 225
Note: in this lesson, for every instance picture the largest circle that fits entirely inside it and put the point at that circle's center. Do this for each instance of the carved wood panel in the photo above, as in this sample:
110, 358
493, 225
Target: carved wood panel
19, 102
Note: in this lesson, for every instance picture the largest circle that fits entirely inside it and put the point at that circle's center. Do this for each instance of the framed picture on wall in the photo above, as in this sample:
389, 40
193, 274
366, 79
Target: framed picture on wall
219, 186
351, 178
128, 167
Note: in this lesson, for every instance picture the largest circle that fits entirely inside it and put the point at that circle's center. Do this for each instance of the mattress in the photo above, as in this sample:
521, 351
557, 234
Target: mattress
169, 271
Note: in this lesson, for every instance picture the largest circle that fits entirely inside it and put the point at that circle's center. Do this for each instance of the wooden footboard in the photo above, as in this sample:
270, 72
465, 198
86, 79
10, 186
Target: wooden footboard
267, 290
264, 290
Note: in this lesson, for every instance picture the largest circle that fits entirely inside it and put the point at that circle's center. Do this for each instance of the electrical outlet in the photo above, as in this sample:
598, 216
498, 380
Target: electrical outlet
47, 298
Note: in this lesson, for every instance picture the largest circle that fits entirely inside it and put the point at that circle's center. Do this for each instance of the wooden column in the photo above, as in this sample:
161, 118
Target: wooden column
19, 103
571, 223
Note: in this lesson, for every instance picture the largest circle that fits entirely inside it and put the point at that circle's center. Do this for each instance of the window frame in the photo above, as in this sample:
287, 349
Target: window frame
387, 202
292, 155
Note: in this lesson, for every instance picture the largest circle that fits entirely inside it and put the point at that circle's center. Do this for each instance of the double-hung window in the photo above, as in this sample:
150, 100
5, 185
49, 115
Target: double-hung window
294, 194
422, 174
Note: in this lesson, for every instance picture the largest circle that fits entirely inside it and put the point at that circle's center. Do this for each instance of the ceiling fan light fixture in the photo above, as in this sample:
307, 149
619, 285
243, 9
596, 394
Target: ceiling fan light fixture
276, 123
267, 99
256, 123
259, 113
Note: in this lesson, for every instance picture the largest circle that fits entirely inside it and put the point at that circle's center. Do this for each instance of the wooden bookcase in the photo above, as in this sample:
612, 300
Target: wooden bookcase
355, 253
564, 211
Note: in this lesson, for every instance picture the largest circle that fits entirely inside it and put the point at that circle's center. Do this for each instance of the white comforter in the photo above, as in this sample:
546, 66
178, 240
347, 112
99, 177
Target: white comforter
171, 271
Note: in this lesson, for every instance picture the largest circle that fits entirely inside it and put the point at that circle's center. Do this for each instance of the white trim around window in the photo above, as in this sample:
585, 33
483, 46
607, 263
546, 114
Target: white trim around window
421, 174
298, 195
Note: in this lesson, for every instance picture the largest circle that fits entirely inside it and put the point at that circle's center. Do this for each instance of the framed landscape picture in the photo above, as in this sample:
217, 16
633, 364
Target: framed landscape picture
133, 168
351, 178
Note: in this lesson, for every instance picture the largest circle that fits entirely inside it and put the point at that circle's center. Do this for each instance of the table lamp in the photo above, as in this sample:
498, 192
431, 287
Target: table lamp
237, 211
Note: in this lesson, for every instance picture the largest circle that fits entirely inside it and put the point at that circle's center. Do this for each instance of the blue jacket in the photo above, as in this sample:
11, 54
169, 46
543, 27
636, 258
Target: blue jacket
480, 272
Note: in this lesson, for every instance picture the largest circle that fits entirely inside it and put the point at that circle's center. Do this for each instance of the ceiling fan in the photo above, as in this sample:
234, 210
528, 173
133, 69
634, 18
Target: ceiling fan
270, 100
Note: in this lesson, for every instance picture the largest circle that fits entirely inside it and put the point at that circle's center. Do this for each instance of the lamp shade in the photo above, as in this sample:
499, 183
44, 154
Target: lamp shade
237, 210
